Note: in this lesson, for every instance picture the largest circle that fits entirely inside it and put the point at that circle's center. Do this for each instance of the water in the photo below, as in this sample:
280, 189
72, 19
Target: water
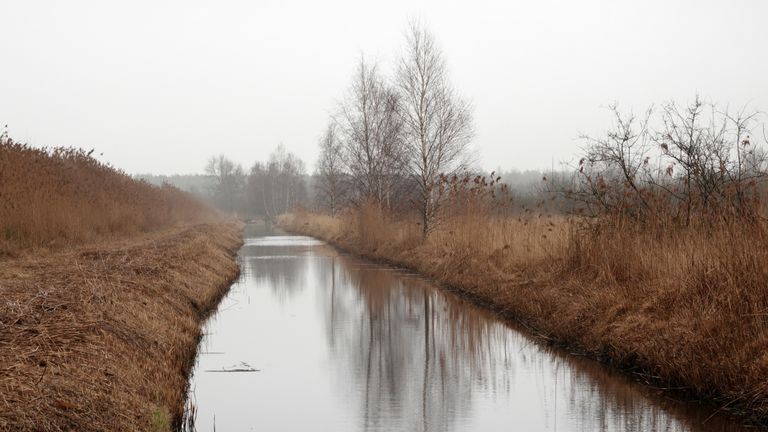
323, 341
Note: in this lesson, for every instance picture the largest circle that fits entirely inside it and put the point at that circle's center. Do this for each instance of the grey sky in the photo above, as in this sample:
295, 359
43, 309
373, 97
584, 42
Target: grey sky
159, 86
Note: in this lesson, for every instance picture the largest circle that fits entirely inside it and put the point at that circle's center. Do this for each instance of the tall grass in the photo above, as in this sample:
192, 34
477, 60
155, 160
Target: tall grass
698, 297
61, 196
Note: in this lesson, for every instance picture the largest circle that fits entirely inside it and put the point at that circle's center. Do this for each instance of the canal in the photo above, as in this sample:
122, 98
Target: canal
312, 339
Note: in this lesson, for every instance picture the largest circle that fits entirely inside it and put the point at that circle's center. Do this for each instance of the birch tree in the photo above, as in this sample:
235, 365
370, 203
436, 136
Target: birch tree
436, 122
332, 181
371, 136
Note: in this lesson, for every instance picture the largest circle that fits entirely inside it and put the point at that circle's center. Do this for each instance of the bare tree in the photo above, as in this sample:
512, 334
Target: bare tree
700, 162
437, 124
277, 186
611, 174
371, 137
716, 162
332, 179
229, 181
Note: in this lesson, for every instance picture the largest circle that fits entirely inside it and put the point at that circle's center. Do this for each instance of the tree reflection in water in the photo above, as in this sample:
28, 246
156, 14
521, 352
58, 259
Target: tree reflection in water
356, 346
416, 357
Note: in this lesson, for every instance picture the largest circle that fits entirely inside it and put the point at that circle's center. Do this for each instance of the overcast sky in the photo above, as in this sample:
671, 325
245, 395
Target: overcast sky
159, 86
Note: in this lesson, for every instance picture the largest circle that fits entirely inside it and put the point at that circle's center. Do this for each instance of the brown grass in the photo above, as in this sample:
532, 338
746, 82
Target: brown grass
51, 198
104, 283
683, 309
102, 337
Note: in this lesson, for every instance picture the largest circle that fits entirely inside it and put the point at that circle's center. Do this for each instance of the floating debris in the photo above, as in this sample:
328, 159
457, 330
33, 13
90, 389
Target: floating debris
242, 367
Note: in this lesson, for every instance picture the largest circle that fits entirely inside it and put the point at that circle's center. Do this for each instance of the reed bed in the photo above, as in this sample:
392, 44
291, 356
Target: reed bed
51, 198
683, 309
104, 284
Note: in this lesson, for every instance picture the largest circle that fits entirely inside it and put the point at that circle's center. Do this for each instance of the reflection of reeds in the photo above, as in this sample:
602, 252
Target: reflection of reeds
683, 307
413, 339
54, 197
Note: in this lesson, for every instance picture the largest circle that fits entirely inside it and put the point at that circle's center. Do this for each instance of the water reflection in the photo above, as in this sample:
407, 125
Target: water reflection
342, 344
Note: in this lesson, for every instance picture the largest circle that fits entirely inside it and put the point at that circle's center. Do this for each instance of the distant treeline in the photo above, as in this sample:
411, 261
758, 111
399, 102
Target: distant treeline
266, 190
528, 190
200, 185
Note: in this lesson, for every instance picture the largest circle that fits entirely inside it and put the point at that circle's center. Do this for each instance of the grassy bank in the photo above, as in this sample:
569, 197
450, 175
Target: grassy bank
105, 282
102, 337
683, 310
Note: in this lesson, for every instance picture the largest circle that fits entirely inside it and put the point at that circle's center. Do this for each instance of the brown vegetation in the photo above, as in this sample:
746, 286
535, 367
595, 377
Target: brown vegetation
681, 308
103, 337
58, 197
104, 281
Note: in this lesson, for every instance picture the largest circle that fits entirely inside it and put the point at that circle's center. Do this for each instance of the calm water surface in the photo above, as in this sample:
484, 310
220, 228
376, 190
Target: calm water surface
310, 339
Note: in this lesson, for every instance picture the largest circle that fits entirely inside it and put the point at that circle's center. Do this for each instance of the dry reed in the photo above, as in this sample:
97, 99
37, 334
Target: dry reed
51, 198
683, 308
102, 338
102, 303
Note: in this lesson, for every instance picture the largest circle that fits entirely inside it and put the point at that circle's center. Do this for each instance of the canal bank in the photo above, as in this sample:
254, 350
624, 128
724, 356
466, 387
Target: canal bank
102, 337
309, 337
644, 332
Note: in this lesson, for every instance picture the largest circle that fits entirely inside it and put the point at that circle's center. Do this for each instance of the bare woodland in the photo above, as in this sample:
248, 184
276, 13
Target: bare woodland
268, 189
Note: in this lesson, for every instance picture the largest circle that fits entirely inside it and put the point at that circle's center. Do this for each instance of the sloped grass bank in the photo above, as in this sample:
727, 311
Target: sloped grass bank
103, 337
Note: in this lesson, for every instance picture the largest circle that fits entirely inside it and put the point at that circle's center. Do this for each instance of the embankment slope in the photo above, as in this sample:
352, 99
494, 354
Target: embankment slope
102, 337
